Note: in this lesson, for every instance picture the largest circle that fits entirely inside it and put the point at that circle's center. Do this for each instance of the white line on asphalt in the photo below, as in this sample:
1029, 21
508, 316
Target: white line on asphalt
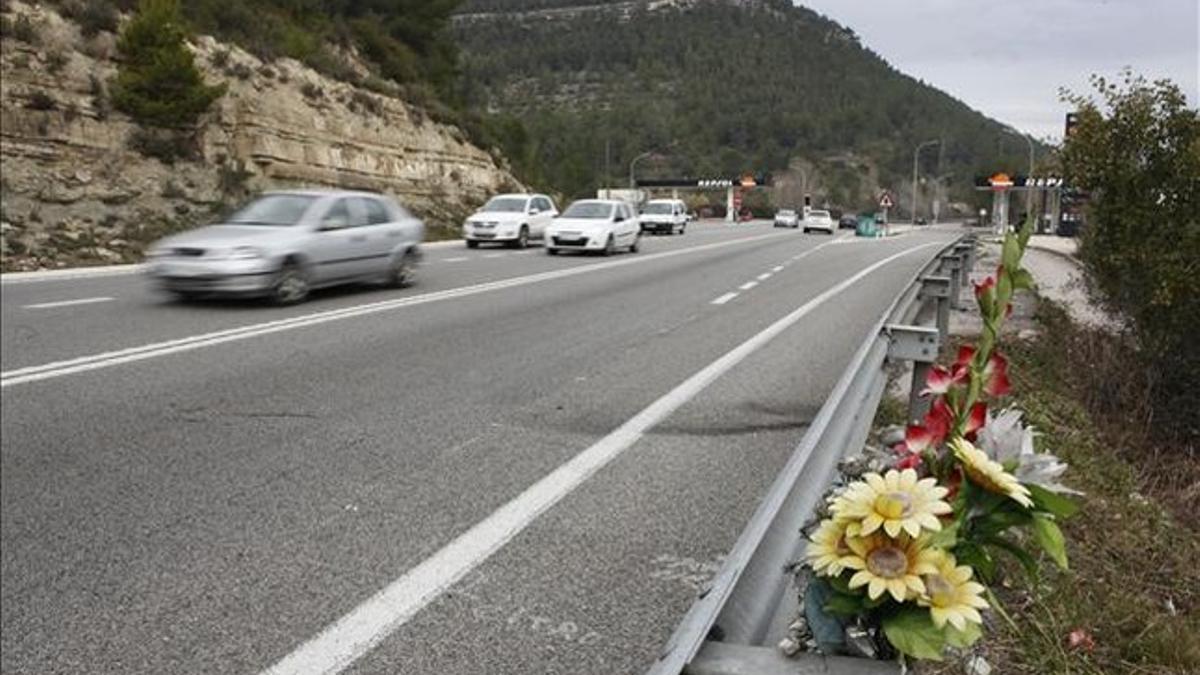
107, 359
747, 286
763, 277
67, 303
724, 298
495, 255
365, 626
777, 268
453, 259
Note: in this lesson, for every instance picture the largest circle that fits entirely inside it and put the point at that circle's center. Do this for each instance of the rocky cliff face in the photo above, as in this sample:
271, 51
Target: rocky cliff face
74, 189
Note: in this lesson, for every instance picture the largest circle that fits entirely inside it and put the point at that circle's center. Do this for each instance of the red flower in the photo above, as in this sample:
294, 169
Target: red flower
938, 421
952, 483
975, 420
965, 354
985, 286
941, 379
910, 460
917, 438
995, 376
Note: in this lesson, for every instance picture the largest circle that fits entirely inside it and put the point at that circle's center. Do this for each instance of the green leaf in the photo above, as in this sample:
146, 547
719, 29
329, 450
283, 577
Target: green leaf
840, 604
1023, 279
963, 638
1050, 538
1027, 561
840, 584
977, 557
1052, 502
912, 632
945, 538
1009, 514
1010, 256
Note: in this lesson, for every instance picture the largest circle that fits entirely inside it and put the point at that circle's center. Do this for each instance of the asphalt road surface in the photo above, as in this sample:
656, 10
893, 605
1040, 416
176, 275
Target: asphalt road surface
521, 464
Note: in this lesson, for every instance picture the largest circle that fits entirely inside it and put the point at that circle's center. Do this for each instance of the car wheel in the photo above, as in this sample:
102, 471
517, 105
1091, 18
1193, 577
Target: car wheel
682, 230
291, 285
185, 296
402, 270
610, 246
551, 251
637, 239
806, 230
471, 243
522, 238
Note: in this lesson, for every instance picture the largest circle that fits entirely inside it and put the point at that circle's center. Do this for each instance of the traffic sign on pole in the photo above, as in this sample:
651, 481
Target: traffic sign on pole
885, 201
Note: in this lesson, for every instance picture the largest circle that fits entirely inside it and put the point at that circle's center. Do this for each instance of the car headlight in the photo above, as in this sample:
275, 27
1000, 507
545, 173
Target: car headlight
245, 253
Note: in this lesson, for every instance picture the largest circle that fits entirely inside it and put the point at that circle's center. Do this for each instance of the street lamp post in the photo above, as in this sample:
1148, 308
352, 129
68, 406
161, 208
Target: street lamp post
1028, 190
916, 154
644, 155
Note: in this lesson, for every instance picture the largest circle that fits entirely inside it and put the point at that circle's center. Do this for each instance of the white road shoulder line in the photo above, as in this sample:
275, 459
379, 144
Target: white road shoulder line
763, 277
131, 354
358, 632
67, 303
777, 268
724, 298
452, 259
748, 285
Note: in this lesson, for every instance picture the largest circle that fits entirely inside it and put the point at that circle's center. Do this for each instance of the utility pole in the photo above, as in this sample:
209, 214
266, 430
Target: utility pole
916, 155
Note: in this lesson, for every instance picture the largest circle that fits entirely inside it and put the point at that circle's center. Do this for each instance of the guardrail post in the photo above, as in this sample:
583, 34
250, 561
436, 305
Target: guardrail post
938, 288
952, 264
918, 344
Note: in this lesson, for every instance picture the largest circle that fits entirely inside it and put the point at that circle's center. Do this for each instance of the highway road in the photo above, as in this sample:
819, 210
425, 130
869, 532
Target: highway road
521, 464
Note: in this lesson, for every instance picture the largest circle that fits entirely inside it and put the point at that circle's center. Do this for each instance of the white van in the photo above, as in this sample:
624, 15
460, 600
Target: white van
664, 215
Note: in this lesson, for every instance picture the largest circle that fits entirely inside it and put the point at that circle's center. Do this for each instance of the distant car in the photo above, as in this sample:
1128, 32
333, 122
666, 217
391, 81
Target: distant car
787, 218
664, 216
284, 244
512, 219
819, 220
848, 221
596, 225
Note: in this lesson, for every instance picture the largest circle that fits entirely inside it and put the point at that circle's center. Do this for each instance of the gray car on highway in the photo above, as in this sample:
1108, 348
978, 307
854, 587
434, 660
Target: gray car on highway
283, 244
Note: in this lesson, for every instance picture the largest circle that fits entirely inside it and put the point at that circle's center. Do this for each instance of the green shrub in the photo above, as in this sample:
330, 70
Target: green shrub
40, 100
24, 30
1137, 155
158, 83
93, 16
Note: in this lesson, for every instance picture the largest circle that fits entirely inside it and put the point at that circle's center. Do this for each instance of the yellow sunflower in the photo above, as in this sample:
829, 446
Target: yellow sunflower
895, 502
950, 594
891, 565
828, 547
988, 474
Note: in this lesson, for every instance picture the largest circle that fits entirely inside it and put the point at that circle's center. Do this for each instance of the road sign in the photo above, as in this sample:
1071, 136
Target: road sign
885, 202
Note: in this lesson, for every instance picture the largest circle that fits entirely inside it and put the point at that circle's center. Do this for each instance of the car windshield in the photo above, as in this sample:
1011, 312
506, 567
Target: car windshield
787, 212
657, 209
505, 205
818, 214
273, 210
597, 210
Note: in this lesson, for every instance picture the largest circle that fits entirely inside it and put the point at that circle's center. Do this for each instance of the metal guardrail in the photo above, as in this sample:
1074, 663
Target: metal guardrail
733, 627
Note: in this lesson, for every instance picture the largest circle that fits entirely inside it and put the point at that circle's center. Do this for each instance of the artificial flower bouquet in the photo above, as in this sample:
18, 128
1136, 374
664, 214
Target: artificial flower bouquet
909, 552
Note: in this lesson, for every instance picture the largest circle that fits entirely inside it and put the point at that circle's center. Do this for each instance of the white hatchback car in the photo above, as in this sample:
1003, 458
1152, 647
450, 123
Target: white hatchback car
664, 215
819, 220
512, 219
599, 225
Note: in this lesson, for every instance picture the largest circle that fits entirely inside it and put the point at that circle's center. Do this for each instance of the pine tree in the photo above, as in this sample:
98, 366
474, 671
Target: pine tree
158, 82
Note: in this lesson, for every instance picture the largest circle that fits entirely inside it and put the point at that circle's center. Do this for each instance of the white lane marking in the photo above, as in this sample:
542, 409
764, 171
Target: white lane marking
68, 303
357, 632
495, 255
453, 259
724, 298
777, 268
747, 286
763, 277
107, 359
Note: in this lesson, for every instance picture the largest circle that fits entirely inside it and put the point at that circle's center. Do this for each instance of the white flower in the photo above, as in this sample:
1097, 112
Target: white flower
1010, 443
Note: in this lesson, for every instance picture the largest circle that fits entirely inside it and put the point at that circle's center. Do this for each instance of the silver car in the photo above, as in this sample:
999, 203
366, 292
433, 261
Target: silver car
284, 244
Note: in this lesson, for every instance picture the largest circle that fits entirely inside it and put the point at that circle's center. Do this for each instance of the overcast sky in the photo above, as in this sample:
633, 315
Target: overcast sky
1007, 58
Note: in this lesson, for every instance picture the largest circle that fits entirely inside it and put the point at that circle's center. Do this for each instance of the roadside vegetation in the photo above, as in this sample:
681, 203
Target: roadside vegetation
1130, 602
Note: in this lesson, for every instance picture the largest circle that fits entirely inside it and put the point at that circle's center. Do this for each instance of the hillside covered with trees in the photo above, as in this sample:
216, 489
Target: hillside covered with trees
723, 86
